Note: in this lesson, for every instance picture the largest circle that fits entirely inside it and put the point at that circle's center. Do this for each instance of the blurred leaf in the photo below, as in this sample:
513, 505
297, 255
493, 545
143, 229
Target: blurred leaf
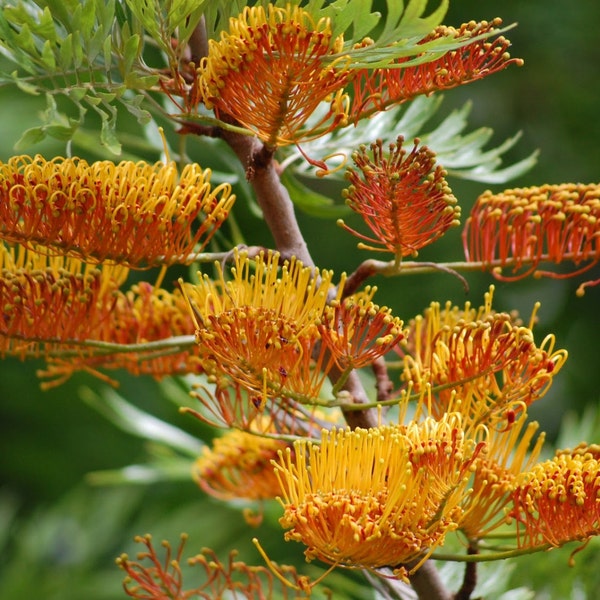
139, 423
462, 154
311, 202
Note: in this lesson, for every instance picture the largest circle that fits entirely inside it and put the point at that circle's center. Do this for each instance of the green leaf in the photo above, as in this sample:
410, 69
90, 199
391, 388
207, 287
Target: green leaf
311, 202
108, 135
131, 419
31, 136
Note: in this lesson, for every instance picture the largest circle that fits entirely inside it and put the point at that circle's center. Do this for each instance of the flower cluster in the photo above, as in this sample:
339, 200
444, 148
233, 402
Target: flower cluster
378, 497
377, 89
524, 227
402, 196
135, 214
268, 73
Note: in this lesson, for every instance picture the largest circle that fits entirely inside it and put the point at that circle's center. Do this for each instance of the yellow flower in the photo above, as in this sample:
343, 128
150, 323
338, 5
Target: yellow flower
558, 500
378, 497
508, 453
239, 466
135, 214
269, 73
259, 328
524, 227
486, 364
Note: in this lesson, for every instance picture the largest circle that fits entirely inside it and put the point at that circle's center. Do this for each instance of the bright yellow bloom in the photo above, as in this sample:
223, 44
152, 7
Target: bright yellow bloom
239, 466
486, 363
259, 328
508, 453
558, 501
134, 214
271, 71
378, 497
524, 227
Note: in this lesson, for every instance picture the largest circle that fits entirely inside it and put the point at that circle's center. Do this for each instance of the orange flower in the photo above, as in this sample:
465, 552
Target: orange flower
524, 227
486, 365
239, 466
557, 501
380, 88
142, 315
356, 331
133, 214
51, 300
377, 497
151, 577
259, 328
269, 73
403, 198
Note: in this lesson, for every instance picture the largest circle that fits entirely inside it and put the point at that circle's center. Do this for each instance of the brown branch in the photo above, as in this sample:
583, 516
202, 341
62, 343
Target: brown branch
470, 576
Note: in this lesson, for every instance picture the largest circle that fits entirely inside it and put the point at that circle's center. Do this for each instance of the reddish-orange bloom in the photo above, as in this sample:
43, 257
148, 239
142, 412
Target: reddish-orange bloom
51, 300
558, 501
484, 364
357, 332
134, 214
402, 196
269, 73
151, 577
377, 89
142, 315
524, 227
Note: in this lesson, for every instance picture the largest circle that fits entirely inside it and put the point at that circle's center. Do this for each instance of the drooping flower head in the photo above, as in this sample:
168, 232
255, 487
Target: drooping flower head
377, 89
482, 363
356, 331
557, 501
522, 228
402, 196
378, 497
135, 214
258, 329
268, 73
239, 466
152, 577
51, 300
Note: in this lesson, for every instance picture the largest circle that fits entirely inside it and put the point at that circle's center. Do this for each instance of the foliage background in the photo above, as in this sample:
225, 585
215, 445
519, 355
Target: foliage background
59, 534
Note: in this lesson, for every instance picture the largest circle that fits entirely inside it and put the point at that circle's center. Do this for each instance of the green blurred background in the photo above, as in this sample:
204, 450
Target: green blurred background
59, 534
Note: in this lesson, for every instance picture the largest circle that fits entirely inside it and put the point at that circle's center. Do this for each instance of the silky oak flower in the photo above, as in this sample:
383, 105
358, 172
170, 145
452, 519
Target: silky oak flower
238, 466
356, 331
482, 363
378, 497
258, 329
135, 214
377, 89
402, 196
522, 228
558, 500
152, 577
272, 69
50, 300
